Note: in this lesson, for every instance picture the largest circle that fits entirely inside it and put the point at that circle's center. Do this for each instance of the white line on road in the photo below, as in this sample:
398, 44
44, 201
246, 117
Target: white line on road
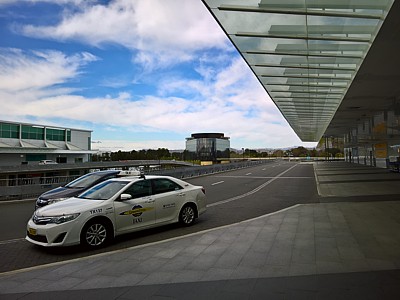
252, 191
219, 182
248, 174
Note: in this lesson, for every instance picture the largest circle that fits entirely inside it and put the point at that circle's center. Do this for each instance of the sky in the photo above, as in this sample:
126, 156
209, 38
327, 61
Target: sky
141, 74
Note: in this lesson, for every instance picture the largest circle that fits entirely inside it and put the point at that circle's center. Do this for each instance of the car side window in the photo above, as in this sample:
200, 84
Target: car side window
139, 189
163, 185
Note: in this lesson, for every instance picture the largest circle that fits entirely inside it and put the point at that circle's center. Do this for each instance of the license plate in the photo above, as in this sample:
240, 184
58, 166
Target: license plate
32, 231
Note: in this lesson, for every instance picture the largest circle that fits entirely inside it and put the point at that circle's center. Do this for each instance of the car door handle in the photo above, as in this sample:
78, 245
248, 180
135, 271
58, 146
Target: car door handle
181, 194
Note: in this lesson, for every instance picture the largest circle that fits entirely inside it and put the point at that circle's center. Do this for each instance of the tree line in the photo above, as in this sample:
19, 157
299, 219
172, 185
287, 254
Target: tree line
165, 154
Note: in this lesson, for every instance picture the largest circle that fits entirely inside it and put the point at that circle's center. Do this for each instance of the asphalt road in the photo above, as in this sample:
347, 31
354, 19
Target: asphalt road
232, 197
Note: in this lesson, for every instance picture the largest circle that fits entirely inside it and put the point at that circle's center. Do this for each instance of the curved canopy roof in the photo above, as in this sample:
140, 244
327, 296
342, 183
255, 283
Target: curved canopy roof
305, 53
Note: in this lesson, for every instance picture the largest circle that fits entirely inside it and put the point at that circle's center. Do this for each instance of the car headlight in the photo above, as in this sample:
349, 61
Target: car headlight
42, 220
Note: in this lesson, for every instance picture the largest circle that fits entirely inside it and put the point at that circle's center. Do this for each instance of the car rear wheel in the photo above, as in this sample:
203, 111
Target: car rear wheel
95, 234
187, 215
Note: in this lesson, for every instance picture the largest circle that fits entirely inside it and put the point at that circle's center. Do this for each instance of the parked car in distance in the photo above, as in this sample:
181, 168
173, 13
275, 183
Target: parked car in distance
114, 207
47, 162
75, 187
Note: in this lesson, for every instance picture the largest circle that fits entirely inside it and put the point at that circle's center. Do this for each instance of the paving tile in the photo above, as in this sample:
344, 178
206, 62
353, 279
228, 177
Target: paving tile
202, 262
94, 282
254, 258
274, 271
304, 241
216, 273
217, 248
157, 278
194, 250
229, 259
325, 267
380, 264
177, 263
169, 252
303, 254
356, 265
262, 245
187, 276
297, 269
279, 256
286, 234
242, 272
128, 279
348, 252
150, 265
62, 284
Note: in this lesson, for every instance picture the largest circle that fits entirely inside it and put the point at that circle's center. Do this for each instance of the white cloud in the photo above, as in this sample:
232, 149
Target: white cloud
21, 70
226, 97
173, 33
236, 105
123, 145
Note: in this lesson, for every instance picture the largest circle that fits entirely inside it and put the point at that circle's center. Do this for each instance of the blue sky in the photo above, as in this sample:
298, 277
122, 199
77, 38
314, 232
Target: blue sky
139, 73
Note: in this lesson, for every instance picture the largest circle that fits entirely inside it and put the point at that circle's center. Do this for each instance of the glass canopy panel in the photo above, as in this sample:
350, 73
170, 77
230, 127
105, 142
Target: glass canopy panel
304, 52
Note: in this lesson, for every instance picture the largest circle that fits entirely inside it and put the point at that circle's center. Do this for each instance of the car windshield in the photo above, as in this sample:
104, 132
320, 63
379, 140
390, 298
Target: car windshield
104, 190
83, 181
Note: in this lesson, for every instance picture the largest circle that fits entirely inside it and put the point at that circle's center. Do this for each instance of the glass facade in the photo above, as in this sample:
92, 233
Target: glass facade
9, 131
305, 53
53, 134
33, 132
208, 147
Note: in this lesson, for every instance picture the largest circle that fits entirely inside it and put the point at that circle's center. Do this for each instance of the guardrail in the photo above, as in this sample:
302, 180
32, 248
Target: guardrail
25, 188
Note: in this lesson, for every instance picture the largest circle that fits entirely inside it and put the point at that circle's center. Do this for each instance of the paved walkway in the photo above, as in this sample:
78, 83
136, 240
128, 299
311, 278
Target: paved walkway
347, 249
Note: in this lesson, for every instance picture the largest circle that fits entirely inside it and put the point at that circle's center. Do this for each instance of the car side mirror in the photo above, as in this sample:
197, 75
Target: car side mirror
125, 197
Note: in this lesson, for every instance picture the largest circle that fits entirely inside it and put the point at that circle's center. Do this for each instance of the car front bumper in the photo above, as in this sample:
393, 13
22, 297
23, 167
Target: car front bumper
51, 235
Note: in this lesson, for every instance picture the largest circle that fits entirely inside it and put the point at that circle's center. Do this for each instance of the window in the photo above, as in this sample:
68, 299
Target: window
139, 189
32, 133
164, 186
9, 131
55, 134
104, 190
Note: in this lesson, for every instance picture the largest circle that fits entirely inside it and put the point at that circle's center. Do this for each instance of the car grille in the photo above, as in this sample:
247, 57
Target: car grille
37, 238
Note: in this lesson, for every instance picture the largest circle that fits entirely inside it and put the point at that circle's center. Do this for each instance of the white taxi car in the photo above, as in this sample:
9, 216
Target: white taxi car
115, 207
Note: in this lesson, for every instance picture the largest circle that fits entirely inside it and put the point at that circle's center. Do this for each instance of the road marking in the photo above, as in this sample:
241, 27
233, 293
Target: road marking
252, 191
219, 182
248, 174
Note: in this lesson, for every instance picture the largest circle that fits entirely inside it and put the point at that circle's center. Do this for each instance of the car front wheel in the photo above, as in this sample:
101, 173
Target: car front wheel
187, 215
95, 234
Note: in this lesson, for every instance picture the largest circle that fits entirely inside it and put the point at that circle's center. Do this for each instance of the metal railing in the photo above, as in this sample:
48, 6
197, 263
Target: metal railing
31, 187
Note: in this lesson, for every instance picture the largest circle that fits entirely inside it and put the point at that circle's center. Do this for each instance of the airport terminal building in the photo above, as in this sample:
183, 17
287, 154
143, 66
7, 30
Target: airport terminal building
208, 147
24, 143
331, 67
